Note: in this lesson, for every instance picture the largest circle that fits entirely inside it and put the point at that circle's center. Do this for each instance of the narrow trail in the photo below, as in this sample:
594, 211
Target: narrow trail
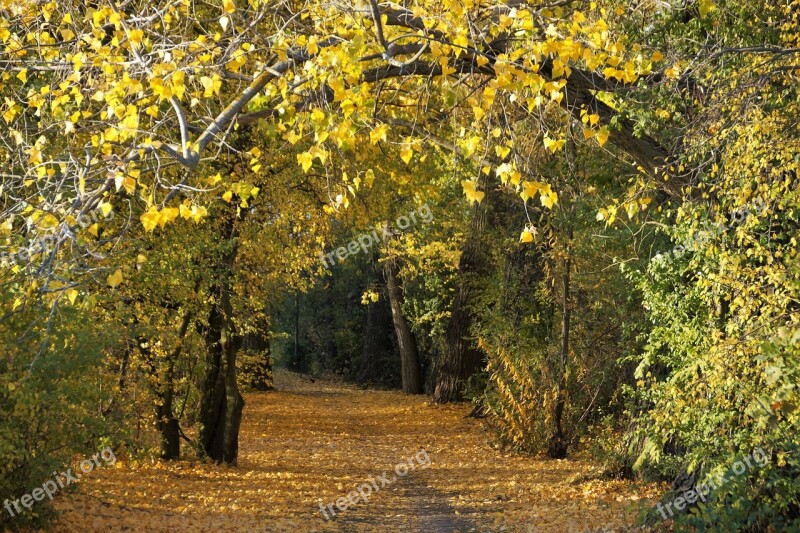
308, 444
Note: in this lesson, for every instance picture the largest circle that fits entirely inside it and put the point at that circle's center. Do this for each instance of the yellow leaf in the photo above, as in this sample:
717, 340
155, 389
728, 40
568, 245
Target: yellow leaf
406, 153
306, 159
199, 213
228, 6
115, 279
150, 219
706, 7
136, 36
348, 107
550, 199
602, 135
337, 86
471, 144
526, 236
72, 295
227, 196
378, 134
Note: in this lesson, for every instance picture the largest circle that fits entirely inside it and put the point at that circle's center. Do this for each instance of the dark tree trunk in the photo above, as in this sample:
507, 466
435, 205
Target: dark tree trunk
461, 358
376, 342
406, 342
221, 403
557, 446
234, 403
166, 423
297, 330
377, 334
168, 426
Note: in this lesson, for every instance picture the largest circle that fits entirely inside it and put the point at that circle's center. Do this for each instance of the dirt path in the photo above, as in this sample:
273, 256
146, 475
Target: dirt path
309, 444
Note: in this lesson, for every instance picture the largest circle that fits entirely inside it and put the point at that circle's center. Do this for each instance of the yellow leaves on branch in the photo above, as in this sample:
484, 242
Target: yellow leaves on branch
155, 217
306, 159
553, 145
244, 191
369, 297
547, 196
471, 192
211, 85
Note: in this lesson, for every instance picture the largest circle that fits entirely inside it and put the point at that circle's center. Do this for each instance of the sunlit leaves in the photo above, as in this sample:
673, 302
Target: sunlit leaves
527, 235
706, 7
115, 279
602, 135
471, 191
306, 159
553, 145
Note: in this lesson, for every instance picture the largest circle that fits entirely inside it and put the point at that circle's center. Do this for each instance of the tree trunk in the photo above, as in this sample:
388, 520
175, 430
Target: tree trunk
221, 403
168, 426
297, 329
407, 343
377, 334
234, 403
461, 358
557, 447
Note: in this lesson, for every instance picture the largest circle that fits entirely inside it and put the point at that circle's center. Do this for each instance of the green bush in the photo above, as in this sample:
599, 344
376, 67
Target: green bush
50, 399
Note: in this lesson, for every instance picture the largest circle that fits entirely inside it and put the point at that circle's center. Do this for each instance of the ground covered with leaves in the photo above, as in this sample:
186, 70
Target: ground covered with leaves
311, 443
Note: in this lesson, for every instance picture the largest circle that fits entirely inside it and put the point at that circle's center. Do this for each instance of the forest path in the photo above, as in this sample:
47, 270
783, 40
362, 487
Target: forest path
308, 444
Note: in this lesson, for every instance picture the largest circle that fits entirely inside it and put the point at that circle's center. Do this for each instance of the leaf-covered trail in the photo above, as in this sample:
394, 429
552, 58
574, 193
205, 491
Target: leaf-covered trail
311, 443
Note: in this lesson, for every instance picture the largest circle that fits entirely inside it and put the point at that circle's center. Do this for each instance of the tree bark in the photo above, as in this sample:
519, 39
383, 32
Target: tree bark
557, 447
406, 342
461, 358
221, 404
377, 334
